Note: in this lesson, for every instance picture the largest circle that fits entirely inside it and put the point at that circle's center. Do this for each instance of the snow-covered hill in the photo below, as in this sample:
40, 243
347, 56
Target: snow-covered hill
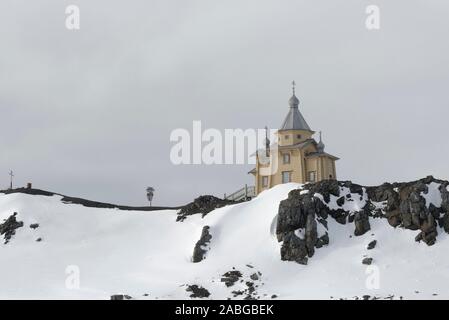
148, 255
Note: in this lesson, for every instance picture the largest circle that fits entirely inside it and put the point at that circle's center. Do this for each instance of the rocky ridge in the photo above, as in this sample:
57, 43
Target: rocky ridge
202, 205
302, 224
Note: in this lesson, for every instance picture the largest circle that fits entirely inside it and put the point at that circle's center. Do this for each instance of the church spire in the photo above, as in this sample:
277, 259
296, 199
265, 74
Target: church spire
267, 142
293, 101
294, 119
320, 146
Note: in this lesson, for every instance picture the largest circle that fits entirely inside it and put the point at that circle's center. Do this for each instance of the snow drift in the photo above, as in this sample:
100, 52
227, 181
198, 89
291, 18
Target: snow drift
69, 251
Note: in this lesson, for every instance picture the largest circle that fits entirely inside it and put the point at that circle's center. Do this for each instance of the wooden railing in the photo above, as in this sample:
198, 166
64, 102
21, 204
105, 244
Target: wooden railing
245, 193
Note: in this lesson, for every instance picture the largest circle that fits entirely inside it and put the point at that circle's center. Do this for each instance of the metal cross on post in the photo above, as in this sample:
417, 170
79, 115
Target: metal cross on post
11, 174
293, 86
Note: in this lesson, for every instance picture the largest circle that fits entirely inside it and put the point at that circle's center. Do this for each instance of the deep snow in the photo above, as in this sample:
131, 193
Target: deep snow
139, 253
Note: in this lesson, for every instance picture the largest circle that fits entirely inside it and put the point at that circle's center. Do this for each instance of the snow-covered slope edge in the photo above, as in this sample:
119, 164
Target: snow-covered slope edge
129, 252
149, 255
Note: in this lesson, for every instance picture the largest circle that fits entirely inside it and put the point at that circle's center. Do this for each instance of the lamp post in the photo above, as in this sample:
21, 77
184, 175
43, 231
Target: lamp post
11, 174
150, 194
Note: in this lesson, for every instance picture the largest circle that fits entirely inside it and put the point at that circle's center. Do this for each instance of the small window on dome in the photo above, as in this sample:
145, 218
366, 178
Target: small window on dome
298, 136
286, 136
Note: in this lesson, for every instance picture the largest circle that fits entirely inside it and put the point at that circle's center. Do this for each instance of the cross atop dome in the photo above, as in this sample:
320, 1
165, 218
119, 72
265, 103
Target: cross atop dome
294, 119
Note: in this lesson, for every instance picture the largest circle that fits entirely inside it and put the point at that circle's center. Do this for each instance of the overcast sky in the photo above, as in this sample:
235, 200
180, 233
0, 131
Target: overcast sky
89, 113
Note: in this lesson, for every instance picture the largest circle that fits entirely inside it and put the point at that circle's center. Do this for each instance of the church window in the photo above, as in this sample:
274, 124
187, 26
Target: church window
298, 136
312, 176
286, 176
265, 181
286, 158
287, 136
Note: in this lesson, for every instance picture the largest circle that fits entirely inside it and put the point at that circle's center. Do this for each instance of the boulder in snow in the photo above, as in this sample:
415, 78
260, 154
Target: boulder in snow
197, 291
8, 228
201, 246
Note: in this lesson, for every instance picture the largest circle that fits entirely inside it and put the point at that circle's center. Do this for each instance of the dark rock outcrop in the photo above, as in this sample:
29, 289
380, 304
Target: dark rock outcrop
371, 245
254, 276
294, 248
367, 261
120, 297
197, 291
231, 277
202, 205
201, 246
361, 222
401, 204
8, 228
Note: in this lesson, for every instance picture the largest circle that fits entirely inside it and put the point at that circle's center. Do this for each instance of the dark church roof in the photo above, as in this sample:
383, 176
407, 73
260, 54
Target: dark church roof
294, 119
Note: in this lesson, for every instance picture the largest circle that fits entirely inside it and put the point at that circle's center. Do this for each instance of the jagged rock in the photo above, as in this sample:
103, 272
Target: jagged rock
341, 201
199, 251
394, 218
402, 204
371, 245
231, 277
34, 225
361, 222
8, 228
311, 234
120, 297
445, 196
254, 277
445, 222
428, 231
294, 249
238, 293
367, 261
197, 291
202, 205
322, 241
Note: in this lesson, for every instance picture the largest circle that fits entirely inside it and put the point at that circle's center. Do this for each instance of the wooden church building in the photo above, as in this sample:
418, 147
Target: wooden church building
295, 157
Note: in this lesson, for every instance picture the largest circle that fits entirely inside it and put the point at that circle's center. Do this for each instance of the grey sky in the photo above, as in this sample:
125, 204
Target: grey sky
89, 113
